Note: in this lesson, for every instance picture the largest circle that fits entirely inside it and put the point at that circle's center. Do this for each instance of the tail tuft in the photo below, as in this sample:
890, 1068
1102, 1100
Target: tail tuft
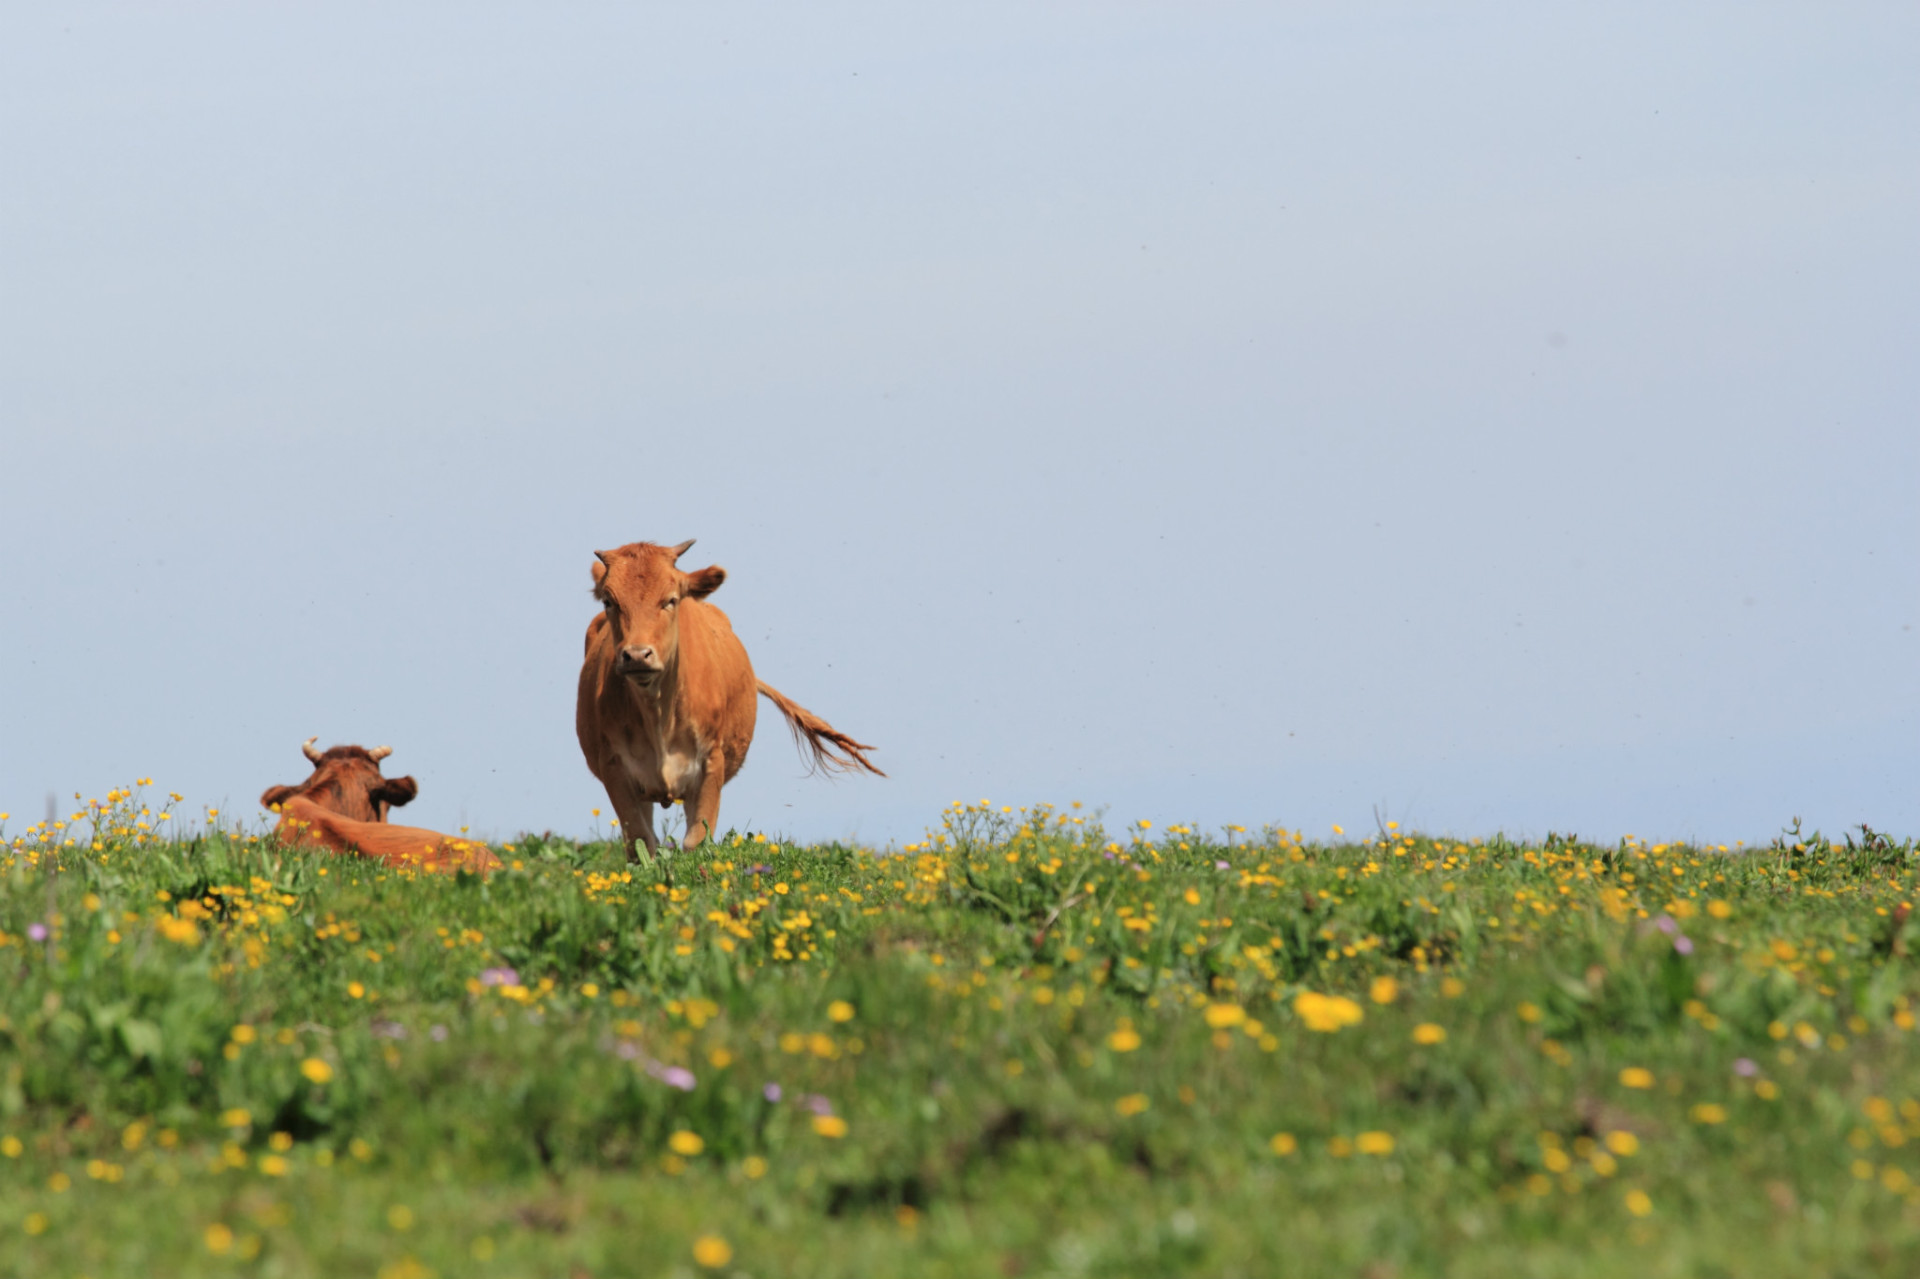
818, 739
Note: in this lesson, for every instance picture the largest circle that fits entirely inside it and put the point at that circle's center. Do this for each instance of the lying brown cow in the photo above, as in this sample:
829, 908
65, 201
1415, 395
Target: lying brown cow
303, 822
346, 780
666, 705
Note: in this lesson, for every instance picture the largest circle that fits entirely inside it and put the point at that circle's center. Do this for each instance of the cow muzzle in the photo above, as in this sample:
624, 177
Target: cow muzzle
639, 662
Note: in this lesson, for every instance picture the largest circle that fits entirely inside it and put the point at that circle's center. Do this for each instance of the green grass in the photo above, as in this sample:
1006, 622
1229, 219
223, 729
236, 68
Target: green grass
1026, 1046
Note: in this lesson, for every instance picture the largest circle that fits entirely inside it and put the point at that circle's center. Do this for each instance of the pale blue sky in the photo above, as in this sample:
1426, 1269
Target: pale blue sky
1503, 415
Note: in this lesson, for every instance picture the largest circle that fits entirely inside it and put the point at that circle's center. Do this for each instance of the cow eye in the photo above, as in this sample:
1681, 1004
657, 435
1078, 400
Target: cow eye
668, 605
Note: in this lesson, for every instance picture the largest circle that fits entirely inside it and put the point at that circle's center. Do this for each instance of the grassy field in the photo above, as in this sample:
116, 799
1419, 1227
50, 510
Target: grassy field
1029, 1045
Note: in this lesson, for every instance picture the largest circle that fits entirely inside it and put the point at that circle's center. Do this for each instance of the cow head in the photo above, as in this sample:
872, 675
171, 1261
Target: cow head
641, 591
346, 780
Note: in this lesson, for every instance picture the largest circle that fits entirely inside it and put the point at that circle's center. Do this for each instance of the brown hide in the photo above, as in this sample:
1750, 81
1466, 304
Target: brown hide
346, 780
303, 822
667, 696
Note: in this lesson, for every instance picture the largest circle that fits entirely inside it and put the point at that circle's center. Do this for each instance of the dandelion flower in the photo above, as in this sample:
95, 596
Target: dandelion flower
686, 1143
1374, 1143
1124, 1040
830, 1126
1222, 1016
1639, 1203
1622, 1143
839, 1010
1283, 1143
1132, 1104
710, 1252
1428, 1032
1326, 1013
316, 1070
1636, 1077
1383, 990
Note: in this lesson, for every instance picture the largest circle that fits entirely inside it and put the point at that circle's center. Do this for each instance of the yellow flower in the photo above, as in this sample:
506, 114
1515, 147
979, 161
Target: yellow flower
1638, 1203
235, 1118
355, 990
1124, 1040
274, 1165
1283, 1143
754, 1167
219, 1238
839, 1010
830, 1126
1383, 990
400, 1217
316, 1070
1326, 1013
1622, 1142
244, 1034
1636, 1077
1529, 1013
1708, 1113
1719, 909
1429, 1033
711, 1252
1374, 1143
1221, 1016
686, 1143
1132, 1104
10, 1146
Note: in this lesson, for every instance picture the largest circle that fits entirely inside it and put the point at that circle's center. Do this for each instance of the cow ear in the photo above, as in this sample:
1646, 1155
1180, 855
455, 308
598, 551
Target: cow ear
599, 574
274, 795
397, 791
705, 582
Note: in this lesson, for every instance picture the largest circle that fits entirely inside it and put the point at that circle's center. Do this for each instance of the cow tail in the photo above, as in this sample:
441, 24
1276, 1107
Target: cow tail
817, 739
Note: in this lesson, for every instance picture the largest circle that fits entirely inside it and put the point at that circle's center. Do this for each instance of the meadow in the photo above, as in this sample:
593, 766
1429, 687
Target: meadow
1034, 1043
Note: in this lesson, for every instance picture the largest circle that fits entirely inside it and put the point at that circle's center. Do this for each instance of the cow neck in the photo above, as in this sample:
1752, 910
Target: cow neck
658, 701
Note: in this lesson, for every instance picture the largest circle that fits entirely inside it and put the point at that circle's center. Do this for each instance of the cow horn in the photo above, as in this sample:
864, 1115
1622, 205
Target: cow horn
379, 753
683, 548
306, 748
602, 557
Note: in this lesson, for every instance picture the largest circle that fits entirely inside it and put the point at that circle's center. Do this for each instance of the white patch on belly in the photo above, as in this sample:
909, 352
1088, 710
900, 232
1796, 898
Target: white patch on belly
682, 772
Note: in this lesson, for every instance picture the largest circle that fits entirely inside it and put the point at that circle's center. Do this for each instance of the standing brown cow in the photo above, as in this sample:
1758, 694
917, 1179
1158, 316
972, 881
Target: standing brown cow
346, 780
666, 704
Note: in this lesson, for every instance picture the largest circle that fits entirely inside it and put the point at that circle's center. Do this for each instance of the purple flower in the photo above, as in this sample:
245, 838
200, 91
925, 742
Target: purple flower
627, 1050
1221, 866
1666, 925
672, 1076
383, 1029
499, 977
1745, 1067
36, 932
1683, 944
438, 1034
759, 870
817, 1104
771, 1092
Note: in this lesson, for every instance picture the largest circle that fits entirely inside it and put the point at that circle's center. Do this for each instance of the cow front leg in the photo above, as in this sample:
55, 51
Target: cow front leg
703, 814
635, 812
